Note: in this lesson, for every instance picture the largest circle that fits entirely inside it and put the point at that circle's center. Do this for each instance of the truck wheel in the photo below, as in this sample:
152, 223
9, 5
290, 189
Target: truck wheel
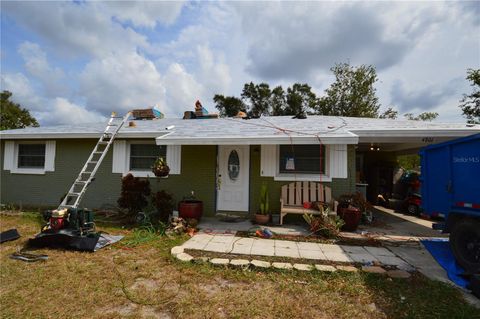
413, 209
465, 243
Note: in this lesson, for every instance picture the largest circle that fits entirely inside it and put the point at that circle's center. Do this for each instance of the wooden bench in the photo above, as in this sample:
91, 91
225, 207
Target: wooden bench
295, 194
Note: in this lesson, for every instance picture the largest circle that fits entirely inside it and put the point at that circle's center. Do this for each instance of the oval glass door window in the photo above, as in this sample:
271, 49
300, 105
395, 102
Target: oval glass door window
233, 165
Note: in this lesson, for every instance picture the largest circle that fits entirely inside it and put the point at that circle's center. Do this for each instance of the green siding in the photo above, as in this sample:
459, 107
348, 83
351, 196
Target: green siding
339, 185
197, 174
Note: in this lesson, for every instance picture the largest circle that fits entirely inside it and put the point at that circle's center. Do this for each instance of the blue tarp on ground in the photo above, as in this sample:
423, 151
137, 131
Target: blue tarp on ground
441, 251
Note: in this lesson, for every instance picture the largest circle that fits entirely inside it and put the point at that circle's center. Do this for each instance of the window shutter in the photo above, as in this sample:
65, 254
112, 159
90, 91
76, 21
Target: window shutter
119, 156
9, 156
174, 158
50, 156
338, 161
268, 160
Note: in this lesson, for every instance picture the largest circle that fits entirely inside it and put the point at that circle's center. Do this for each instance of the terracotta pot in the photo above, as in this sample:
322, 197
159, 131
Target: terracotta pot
351, 216
190, 209
262, 219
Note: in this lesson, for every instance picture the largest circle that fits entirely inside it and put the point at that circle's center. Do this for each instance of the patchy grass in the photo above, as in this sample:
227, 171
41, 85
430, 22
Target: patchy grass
141, 280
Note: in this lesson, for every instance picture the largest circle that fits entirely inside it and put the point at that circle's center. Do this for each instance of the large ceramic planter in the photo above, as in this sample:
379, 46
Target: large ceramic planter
192, 208
351, 216
262, 219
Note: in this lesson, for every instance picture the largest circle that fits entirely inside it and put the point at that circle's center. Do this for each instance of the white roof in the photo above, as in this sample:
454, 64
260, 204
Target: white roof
266, 130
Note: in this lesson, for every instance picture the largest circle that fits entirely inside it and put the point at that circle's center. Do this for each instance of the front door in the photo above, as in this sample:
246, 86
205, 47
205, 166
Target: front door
233, 178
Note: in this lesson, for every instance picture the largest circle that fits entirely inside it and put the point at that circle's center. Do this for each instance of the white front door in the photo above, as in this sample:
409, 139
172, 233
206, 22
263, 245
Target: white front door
233, 178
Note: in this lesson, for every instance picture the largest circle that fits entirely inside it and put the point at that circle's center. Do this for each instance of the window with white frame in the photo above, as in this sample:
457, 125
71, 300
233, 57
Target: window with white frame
301, 159
137, 157
142, 156
29, 157
310, 162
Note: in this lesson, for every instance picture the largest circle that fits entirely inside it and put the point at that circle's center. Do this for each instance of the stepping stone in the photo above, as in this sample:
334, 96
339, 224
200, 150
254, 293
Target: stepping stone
347, 268
326, 268
219, 261
303, 267
398, 274
239, 262
260, 264
374, 269
176, 250
282, 265
184, 257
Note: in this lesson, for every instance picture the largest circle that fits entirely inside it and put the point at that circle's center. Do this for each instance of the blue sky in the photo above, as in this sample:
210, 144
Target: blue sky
82, 60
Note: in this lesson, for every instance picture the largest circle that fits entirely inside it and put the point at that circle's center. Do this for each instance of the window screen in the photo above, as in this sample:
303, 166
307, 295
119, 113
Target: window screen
302, 159
31, 155
142, 156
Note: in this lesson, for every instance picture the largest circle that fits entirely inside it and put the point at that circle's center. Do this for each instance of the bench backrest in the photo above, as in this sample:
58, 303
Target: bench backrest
295, 194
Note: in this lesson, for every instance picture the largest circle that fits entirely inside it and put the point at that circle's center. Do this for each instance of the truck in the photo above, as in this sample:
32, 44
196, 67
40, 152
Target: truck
450, 187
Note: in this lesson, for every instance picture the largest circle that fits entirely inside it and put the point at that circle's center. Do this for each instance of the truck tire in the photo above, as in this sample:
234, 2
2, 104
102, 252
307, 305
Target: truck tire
413, 210
465, 243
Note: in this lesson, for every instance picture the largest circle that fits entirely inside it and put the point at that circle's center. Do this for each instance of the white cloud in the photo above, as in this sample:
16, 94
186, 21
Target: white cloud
121, 82
74, 29
182, 90
22, 91
47, 111
37, 65
144, 13
62, 111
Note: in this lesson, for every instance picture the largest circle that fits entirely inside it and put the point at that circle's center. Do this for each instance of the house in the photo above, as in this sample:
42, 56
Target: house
224, 161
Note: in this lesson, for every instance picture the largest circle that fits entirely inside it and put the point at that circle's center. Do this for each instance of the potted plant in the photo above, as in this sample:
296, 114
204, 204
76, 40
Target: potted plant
350, 209
190, 207
262, 217
160, 167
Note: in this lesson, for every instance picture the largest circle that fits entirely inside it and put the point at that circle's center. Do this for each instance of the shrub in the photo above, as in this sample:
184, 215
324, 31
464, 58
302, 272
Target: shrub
323, 224
164, 203
134, 194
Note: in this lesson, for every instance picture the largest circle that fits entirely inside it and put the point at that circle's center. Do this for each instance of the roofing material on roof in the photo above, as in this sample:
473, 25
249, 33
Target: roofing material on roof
265, 130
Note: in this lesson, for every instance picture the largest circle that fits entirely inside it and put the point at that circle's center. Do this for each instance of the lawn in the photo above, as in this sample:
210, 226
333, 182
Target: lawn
143, 281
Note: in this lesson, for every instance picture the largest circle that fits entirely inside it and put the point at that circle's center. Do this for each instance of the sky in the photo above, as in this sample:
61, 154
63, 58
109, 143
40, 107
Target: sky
81, 60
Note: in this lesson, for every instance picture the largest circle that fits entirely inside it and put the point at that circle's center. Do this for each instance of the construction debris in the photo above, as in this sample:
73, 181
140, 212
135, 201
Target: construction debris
9, 235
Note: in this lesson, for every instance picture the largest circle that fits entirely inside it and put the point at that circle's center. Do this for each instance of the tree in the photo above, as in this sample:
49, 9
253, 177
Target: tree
425, 116
278, 101
300, 100
470, 104
352, 93
13, 115
389, 113
258, 96
228, 105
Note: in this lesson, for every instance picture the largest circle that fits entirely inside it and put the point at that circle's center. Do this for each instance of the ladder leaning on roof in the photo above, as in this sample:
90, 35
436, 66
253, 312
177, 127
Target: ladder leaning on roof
86, 175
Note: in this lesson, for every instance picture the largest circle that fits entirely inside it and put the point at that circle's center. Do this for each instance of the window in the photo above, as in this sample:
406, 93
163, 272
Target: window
31, 156
302, 159
142, 156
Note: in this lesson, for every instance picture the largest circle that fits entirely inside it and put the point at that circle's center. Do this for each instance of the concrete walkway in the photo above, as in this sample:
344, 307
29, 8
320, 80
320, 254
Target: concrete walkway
306, 250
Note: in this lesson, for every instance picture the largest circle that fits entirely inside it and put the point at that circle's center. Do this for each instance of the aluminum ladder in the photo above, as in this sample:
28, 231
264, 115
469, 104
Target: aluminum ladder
86, 175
